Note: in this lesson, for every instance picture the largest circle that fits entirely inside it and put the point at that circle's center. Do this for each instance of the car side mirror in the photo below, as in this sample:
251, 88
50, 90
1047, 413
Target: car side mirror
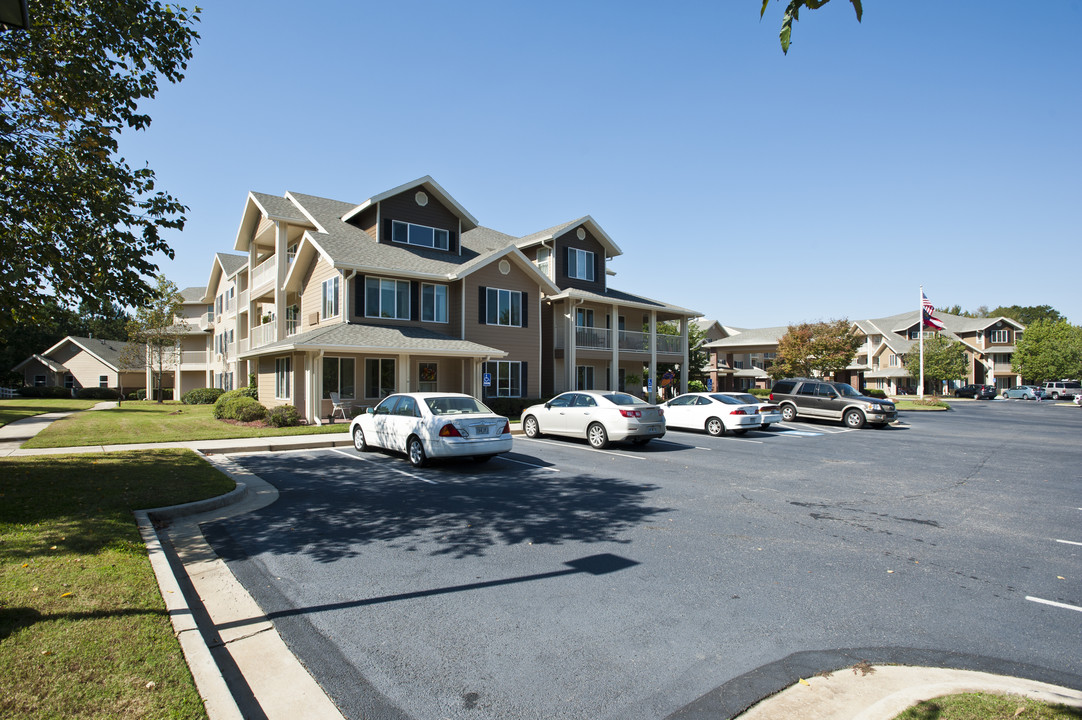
548, 406
369, 410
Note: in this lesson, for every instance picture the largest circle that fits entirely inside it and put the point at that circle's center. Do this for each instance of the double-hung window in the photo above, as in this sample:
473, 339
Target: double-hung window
379, 377
281, 378
580, 264
433, 303
504, 307
339, 377
506, 378
387, 298
330, 298
420, 235
1001, 336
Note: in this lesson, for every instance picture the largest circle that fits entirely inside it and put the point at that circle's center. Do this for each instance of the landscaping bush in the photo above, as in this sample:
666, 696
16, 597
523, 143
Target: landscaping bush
511, 407
202, 396
696, 386
760, 392
226, 397
284, 416
98, 393
241, 408
874, 393
45, 391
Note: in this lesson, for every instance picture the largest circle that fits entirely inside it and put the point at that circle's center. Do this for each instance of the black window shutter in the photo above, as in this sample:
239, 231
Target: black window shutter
415, 300
525, 305
597, 268
524, 379
360, 295
452, 241
388, 230
482, 317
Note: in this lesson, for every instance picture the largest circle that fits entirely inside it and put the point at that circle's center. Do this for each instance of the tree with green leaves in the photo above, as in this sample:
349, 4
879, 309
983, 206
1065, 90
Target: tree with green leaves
157, 329
792, 14
821, 348
79, 223
1048, 350
944, 359
1027, 314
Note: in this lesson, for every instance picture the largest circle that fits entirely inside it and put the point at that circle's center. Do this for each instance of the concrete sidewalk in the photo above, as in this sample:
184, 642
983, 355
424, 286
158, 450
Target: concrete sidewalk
243, 668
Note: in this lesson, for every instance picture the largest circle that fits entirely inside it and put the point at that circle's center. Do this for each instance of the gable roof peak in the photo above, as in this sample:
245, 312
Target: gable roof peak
427, 183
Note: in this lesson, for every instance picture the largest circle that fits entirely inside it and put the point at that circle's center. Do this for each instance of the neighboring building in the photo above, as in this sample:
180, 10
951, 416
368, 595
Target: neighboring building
406, 291
78, 362
741, 360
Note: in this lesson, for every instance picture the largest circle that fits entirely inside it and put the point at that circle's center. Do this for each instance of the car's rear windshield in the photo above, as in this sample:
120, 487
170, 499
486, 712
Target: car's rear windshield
455, 406
728, 400
1072, 385
624, 399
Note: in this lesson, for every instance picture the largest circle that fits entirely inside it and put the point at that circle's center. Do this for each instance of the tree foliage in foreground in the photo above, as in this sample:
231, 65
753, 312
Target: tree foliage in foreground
79, 223
1048, 350
944, 359
792, 14
820, 348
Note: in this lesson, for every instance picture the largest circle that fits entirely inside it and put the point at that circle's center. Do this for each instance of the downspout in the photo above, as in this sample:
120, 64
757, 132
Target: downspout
350, 305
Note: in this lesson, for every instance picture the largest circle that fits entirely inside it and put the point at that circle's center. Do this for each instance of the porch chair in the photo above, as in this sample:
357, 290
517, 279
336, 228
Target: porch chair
338, 406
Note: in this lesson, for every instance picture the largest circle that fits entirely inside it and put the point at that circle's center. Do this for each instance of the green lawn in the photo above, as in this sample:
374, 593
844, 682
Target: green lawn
986, 706
927, 404
19, 408
83, 629
142, 422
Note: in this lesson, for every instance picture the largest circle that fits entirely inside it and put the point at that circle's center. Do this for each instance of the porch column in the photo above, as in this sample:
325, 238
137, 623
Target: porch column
614, 338
653, 357
281, 267
687, 358
570, 375
402, 382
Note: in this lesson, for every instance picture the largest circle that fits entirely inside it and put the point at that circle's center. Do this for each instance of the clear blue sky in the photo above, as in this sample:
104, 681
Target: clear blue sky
935, 143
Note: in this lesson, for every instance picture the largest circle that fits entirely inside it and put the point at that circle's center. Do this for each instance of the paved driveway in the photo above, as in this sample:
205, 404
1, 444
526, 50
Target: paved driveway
685, 579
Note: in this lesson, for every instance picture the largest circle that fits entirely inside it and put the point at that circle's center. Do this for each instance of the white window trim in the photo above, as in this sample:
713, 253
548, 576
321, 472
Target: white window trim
510, 306
330, 297
446, 303
435, 233
283, 378
584, 264
379, 294
339, 359
513, 367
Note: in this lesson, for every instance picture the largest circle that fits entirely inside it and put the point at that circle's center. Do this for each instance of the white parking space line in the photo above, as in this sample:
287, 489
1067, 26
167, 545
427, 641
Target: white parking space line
390, 467
1053, 603
1069, 542
533, 465
605, 452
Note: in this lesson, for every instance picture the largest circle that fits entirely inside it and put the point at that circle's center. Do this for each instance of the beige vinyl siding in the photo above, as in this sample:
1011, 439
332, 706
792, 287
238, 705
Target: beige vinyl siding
265, 382
312, 294
522, 344
84, 367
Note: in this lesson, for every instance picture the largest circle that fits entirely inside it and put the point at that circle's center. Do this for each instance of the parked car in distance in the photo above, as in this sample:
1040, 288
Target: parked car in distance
427, 425
816, 398
1024, 392
599, 416
1065, 389
977, 392
768, 412
713, 412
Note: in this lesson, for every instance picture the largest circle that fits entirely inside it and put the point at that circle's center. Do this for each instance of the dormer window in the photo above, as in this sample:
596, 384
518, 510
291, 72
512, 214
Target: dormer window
420, 235
580, 264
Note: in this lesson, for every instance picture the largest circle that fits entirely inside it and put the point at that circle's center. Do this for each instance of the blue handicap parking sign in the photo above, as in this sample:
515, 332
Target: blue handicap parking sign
486, 379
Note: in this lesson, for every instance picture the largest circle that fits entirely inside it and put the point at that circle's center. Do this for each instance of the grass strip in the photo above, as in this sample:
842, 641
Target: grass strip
988, 706
83, 629
19, 408
147, 422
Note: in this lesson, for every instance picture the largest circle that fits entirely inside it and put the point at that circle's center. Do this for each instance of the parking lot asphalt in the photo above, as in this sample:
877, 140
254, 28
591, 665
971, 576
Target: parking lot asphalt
689, 579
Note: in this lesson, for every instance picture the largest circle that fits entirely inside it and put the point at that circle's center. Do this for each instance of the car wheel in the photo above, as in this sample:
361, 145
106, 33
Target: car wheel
1055, 396
530, 427
358, 440
597, 436
415, 451
715, 427
788, 413
1005, 395
854, 419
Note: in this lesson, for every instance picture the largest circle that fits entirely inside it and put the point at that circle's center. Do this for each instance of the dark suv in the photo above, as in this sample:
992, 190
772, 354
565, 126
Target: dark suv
816, 398
977, 392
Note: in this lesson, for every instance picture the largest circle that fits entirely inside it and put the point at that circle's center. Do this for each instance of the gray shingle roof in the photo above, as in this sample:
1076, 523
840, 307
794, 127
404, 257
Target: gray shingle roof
193, 294
231, 263
374, 338
108, 351
612, 295
280, 207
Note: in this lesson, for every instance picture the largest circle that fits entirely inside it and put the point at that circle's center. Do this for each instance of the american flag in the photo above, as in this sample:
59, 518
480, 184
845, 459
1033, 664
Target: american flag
926, 310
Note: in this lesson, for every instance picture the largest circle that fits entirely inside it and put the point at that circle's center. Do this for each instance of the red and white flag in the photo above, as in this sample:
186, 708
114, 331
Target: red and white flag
926, 311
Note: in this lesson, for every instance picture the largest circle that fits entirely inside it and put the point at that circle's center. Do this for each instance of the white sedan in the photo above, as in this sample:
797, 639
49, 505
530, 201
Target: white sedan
713, 412
432, 425
600, 416
768, 412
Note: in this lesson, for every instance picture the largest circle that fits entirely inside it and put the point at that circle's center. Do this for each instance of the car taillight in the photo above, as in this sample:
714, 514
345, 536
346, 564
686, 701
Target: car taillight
631, 413
771, 397
506, 428
449, 430
738, 412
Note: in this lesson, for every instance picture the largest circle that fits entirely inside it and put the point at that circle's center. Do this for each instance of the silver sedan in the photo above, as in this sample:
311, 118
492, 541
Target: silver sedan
596, 415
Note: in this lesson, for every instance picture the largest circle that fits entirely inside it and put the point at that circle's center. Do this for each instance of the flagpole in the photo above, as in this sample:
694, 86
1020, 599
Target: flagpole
920, 331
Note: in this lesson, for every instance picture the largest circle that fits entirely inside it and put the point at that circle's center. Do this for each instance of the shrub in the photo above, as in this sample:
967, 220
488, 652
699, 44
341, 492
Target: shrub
284, 416
241, 408
98, 393
696, 386
510, 407
202, 396
874, 393
227, 396
45, 391
141, 394
760, 392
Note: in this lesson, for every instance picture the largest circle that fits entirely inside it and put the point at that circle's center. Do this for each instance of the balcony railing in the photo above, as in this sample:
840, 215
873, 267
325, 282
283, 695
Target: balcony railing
263, 335
242, 300
594, 338
264, 273
193, 357
206, 321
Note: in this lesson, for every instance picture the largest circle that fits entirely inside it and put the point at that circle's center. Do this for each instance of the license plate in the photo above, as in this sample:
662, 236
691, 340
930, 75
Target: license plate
481, 429
652, 428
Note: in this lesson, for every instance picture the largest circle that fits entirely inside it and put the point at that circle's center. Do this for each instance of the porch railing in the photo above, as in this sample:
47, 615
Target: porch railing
594, 338
263, 273
262, 335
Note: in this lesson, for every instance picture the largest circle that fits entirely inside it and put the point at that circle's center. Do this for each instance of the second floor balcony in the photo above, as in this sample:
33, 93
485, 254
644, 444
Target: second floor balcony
263, 273
628, 341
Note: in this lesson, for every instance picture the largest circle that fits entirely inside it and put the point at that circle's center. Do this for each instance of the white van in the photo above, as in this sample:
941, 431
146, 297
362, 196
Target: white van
1066, 389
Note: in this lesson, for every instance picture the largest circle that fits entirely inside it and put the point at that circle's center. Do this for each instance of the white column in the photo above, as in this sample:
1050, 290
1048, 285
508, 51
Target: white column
281, 249
687, 356
653, 357
614, 338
